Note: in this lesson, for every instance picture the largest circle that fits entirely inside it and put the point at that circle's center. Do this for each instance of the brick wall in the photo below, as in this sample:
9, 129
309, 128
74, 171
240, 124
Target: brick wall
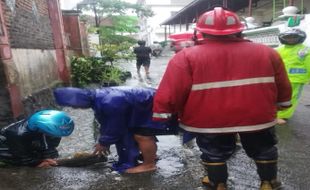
72, 30
28, 24
5, 113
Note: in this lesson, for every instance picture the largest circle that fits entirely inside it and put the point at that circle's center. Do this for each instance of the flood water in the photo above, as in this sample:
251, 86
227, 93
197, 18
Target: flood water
178, 167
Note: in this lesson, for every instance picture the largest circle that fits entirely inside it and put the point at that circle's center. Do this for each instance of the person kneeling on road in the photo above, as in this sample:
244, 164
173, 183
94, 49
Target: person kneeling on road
33, 141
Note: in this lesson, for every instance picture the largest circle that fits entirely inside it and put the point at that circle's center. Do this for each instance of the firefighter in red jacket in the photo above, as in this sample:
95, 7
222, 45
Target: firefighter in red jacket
223, 87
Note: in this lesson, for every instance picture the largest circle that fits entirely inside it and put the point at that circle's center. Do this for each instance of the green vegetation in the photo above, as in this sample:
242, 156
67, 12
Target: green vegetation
115, 31
114, 52
89, 70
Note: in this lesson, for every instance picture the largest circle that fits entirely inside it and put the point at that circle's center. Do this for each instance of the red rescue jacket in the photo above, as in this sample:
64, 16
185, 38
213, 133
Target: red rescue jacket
223, 86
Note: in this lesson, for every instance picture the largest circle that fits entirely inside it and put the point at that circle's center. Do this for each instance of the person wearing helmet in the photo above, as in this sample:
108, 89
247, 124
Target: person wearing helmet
227, 85
296, 57
33, 141
125, 118
143, 57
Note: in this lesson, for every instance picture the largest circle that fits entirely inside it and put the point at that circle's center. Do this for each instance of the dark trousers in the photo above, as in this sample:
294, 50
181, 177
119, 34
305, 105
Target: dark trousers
143, 61
259, 145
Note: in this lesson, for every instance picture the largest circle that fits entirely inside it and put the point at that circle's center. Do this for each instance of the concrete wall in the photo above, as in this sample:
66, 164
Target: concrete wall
36, 69
93, 41
84, 39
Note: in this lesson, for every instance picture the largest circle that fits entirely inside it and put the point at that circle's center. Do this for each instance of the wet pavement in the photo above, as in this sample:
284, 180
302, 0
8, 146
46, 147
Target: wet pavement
178, 167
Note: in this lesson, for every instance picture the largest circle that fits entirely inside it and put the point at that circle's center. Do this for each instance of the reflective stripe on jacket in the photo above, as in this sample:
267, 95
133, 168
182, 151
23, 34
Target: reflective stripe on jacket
296, 59
231, 85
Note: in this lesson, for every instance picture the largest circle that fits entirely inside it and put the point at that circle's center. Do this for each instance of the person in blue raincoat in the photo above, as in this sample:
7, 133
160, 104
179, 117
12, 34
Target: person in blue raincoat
125, 118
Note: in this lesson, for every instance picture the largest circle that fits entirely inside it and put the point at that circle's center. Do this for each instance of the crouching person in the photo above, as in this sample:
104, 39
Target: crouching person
125, 118
33, 141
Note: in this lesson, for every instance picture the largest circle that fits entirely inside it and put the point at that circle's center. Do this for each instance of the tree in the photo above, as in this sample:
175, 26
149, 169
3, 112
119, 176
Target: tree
104, 8
114, 44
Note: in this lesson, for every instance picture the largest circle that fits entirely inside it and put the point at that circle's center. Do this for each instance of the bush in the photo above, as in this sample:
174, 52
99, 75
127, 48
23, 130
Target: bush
88, 70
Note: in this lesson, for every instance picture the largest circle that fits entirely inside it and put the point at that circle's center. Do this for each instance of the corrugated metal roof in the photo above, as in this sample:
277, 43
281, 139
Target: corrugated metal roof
192, 11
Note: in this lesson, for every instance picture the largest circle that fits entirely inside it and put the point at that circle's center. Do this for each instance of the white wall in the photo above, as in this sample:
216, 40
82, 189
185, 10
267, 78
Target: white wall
68, 4
93, 41
162, 10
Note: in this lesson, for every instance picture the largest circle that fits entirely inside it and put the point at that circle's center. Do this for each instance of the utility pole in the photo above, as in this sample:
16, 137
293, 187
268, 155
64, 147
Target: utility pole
97, 22
225, 3
250, 8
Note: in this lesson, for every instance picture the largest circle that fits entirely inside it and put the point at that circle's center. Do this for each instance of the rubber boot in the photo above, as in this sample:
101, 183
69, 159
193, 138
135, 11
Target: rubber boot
217, 176
267, 171
211, 186
270, 185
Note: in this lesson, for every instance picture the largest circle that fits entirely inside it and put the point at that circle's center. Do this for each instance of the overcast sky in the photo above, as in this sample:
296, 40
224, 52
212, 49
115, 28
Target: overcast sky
70, 4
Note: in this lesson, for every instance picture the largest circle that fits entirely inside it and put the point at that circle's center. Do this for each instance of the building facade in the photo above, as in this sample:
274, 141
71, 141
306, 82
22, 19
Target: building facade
150, 28
266, 11
33, 56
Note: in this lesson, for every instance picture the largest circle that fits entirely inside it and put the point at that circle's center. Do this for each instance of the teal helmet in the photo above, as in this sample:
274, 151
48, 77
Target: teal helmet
51, 122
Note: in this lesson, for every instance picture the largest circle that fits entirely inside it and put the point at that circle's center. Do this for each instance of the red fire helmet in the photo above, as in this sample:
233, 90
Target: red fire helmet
219, 22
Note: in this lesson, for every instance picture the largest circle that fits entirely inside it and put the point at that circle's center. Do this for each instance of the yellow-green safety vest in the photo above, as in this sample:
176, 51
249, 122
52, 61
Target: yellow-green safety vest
296, 59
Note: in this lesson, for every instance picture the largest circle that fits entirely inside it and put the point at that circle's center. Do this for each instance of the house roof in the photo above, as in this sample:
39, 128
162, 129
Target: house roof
192, 11
71, 12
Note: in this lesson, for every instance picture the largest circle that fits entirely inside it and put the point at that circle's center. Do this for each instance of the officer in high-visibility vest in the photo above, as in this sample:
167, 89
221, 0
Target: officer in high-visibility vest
296, 57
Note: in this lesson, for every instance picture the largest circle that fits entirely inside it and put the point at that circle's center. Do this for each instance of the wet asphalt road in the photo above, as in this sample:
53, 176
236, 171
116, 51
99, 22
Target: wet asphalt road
178, 167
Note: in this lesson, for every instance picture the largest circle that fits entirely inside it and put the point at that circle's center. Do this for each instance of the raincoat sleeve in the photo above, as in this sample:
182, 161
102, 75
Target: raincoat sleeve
112, 112
174, 88
113, 130
282, 82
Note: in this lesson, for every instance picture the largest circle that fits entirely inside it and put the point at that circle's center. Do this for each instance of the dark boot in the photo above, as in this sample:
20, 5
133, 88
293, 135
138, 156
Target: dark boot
267, 171
270, 185
211, 186
217, 176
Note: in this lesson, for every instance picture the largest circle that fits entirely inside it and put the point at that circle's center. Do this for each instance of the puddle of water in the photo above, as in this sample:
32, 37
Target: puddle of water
170, 162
